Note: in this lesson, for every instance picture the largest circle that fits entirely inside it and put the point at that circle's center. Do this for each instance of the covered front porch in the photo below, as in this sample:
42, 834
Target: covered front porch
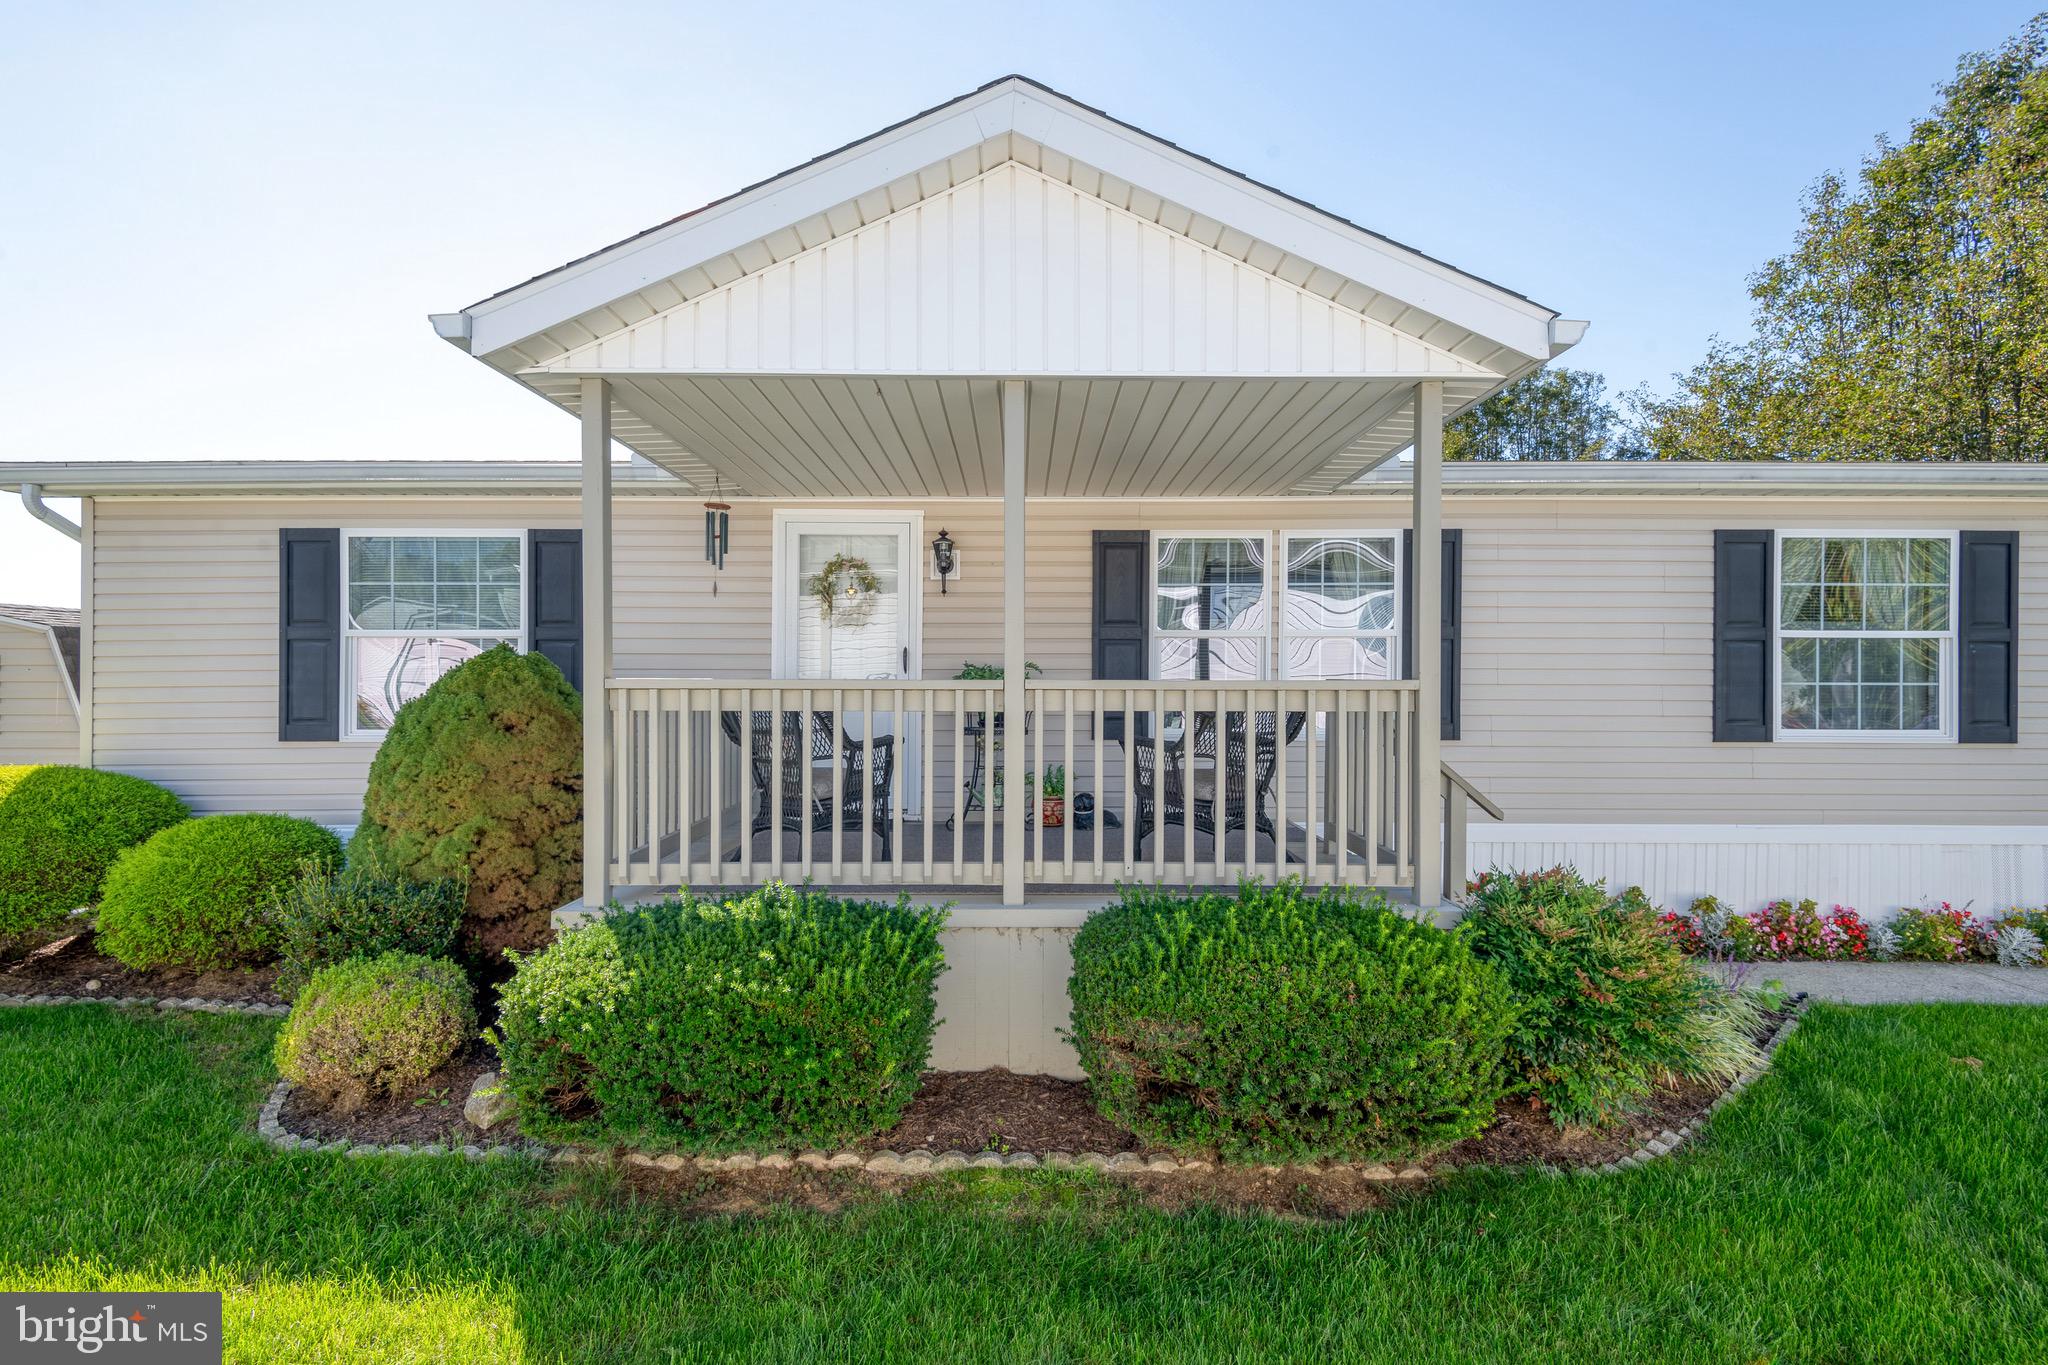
1017, 301
905, 783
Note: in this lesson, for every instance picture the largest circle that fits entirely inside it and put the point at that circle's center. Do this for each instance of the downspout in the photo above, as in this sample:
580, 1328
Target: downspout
32, 499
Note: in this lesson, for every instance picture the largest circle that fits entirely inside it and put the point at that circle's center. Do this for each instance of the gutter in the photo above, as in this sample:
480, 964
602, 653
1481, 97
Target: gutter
342, 478
32, 499
563, 478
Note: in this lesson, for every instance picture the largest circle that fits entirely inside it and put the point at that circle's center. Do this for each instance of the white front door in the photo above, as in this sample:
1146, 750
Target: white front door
880, 639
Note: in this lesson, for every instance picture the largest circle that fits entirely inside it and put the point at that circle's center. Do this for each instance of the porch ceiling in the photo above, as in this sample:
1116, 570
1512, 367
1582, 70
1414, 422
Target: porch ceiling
941, 436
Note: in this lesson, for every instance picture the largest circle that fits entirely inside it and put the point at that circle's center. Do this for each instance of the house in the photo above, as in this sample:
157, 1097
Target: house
38, 684
1016, 385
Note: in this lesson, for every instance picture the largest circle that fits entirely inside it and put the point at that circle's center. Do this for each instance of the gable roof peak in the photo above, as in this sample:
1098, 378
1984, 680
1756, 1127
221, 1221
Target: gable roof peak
973, 127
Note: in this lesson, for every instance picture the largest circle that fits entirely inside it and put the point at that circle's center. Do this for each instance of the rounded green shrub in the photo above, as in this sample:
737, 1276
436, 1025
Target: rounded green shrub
375, 1025
1284, 1025
200, 894
61, 829
324, 917
782, 1017
481, 777
1610, 1008
11, 775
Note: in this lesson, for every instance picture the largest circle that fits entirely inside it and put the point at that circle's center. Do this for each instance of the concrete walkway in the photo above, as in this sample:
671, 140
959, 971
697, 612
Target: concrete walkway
1909, 983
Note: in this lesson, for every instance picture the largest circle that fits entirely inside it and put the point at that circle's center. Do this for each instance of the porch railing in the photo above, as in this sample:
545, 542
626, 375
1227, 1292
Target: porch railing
893, 783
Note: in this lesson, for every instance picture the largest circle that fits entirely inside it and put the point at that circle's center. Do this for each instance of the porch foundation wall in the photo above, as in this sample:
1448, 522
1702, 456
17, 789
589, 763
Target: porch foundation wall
1874, 868
1003, 999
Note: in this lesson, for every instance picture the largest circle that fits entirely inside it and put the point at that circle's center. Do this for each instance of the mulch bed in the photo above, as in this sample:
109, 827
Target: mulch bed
425, 1114
73, 965
1000, 1111
1522, 1134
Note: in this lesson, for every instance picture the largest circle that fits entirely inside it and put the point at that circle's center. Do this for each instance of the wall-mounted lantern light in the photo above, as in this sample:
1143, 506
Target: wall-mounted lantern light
944, 561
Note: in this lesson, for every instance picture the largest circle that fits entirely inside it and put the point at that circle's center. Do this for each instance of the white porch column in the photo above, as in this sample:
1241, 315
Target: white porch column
597, 640
1016, 799
1426, 630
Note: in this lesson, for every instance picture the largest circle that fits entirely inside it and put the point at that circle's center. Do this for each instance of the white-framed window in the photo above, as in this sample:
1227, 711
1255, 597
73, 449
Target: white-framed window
1340, 605
417, 603
1211, 605
1865, 643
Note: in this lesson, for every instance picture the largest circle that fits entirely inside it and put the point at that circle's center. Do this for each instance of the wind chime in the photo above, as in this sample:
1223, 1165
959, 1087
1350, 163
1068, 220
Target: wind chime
717, 532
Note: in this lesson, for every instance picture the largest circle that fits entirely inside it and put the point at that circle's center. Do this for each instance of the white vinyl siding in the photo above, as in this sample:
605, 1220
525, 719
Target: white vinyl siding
1013, 272
1587, 642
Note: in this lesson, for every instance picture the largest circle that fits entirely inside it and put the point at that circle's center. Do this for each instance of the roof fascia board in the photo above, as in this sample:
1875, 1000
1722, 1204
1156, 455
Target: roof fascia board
336, 478
1472, 375
1237, 202
257, 478
1088, 137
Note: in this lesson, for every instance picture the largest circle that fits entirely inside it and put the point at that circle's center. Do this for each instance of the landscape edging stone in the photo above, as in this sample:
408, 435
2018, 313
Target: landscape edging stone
270, 1125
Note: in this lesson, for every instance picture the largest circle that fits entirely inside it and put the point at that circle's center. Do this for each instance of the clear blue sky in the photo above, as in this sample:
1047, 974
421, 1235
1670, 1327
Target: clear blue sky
224, 225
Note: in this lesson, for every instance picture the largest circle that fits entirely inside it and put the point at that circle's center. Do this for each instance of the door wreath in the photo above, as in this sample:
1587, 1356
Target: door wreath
845, 588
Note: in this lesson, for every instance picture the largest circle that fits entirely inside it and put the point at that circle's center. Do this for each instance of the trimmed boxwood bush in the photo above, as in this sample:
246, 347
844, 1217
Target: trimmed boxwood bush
1279, 1024
61, 829
375, 1025
782, 1017
324, 917
481, 777
11, 775
200, 894
1609, 1005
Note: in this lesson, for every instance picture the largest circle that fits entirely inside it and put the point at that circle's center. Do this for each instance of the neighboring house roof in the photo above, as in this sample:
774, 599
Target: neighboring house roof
562, 478
61, 622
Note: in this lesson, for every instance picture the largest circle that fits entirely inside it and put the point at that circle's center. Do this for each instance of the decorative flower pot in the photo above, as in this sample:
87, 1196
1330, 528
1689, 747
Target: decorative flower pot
1052, 811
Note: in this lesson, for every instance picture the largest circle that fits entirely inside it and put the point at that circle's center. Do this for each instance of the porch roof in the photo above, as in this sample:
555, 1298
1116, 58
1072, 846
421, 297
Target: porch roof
841, 329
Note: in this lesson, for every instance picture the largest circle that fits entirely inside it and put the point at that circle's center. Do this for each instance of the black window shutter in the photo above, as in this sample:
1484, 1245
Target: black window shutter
1987, 637
554, 596
309, 634
1743, 579
1453, 601
1121, 639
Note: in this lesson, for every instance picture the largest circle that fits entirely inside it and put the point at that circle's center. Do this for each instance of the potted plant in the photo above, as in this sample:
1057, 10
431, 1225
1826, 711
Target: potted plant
970, 672
1052, 797
992, 672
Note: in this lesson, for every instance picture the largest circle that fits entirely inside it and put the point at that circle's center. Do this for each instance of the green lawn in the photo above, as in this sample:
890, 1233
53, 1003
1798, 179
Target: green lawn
1873, 1199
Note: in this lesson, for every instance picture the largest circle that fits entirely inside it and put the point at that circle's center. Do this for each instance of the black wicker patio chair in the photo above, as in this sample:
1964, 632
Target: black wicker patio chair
859, 790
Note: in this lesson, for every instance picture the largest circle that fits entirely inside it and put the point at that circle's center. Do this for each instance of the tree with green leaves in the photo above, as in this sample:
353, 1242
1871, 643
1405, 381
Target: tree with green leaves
1551, 414
1910, 319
